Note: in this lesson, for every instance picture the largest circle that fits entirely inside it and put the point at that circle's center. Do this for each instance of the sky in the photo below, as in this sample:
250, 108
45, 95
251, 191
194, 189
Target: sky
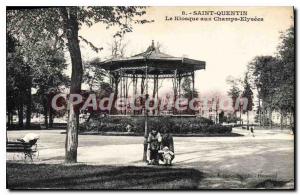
226, 47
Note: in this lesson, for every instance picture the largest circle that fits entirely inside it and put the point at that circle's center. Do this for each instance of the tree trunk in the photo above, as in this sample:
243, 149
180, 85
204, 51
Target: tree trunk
28, 108
45, 105
281, 120
292, 122
259, 112
71, 30
9, 119
270, 119
241, 121
247, 120
145, 139
20, 114
50, 117
264, 117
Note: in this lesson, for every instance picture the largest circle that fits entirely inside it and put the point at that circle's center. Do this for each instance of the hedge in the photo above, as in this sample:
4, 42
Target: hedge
175, 124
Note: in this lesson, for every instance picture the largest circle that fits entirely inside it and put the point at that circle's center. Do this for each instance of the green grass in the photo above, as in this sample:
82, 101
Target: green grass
59, 176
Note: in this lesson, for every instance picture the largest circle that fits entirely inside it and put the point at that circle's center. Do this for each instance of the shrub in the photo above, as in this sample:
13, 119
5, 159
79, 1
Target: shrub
174, 124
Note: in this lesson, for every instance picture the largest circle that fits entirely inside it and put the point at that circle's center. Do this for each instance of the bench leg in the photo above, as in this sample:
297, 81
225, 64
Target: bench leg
36, 154
28, 155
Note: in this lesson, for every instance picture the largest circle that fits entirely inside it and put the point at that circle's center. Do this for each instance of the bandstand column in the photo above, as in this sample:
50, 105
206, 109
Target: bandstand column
110, 80
179, 88
193, 87
146, 118
157, 87
116, 78
179, 85
121, 88
142, 84
175, 90
157, 95
126, 93
193, 83
134, 90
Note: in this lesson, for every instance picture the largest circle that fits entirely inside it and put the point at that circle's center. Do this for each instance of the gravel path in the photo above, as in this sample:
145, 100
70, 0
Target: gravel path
268, 155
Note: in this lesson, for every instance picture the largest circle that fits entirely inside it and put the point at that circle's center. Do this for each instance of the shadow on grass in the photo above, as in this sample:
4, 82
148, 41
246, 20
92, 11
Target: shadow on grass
50, 176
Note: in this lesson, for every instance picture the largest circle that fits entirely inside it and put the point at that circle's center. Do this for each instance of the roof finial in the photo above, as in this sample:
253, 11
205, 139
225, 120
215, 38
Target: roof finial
151, 47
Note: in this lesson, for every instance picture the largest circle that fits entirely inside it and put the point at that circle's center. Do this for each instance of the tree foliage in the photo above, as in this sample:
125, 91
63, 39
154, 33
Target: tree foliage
234, 91
285, 92
248, 94
93, 75
39, 67
274, 76
187, 88
62, 24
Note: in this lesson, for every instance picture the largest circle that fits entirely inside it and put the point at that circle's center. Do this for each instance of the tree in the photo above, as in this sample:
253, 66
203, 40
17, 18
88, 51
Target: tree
39, 66
215, 106
187, 88
274, 79
118, 47
285, 92
64, 23
93, 75
187, 91
266, 71
17, 79
234, 92
48, 79
248, 94
222, 118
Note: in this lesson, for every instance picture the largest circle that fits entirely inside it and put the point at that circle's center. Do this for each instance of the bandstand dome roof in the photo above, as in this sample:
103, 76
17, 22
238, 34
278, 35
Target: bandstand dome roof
157, 62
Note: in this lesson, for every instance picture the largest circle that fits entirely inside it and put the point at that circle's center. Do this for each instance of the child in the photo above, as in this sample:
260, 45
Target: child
167, 155
154, 140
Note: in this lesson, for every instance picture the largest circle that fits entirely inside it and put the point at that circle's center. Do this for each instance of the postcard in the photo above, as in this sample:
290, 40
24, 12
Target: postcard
150, 97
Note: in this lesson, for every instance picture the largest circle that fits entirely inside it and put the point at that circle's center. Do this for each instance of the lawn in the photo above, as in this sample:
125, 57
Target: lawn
103, 177
59, 176
263, 161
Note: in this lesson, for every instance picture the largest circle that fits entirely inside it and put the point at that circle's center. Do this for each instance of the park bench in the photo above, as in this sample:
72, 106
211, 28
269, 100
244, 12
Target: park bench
28, 149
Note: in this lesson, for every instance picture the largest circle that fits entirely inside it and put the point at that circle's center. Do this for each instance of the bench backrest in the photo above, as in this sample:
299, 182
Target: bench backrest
18, 147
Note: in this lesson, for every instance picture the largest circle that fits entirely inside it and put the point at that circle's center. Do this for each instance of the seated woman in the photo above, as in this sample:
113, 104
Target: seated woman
154, 141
